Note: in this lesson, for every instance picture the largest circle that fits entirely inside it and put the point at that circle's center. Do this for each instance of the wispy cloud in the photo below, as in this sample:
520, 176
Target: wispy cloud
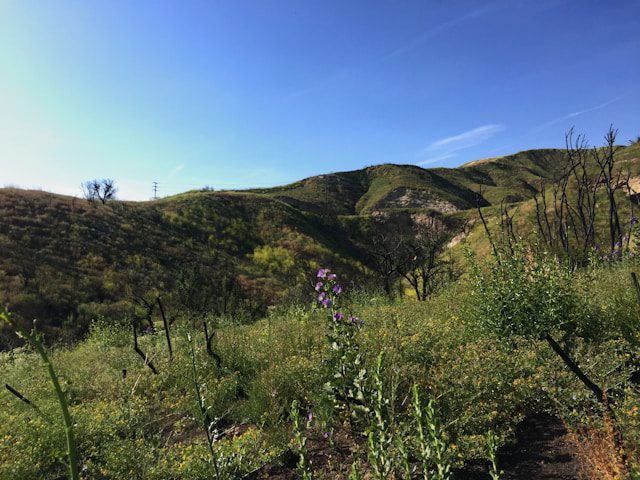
177, 169
436, 159
555, 121
435, 31
415, 42
571, 115
466, 139
447, 147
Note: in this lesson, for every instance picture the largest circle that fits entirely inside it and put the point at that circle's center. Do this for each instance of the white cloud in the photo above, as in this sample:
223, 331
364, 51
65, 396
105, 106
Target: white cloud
437, 159
177, 169
573, 115
446, 148
435, 31
555, 121
467, 139
410, 45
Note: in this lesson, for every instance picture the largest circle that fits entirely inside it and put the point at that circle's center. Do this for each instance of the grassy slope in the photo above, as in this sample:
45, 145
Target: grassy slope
61, 253
628, 160
145, 425
362, 191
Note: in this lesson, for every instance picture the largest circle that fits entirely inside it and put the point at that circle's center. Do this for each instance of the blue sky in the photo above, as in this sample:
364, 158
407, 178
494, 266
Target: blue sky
237, 93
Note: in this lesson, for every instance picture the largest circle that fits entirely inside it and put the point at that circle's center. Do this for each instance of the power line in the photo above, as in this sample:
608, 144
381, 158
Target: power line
155, 190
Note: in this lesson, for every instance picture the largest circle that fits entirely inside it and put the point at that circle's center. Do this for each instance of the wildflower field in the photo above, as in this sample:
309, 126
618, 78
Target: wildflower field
352, 384
258, 334
319, 240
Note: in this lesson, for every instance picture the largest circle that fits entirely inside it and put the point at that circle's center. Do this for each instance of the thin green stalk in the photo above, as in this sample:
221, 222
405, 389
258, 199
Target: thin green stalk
355, 472
424, 447
492, 448
432, 448
299, 432
436, 436
72, 452
380, 440
202, 408
403, 453
34, 340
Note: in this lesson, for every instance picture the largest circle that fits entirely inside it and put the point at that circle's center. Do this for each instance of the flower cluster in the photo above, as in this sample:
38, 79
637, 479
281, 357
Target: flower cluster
355, 321
327, 287
329, 290
346, 373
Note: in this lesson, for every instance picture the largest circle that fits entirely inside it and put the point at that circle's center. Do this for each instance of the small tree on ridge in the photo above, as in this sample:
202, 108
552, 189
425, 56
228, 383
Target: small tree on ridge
102, 190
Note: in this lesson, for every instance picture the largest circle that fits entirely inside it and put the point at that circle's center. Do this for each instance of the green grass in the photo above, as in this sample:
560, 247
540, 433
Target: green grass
67, 262
149, 426
76, 267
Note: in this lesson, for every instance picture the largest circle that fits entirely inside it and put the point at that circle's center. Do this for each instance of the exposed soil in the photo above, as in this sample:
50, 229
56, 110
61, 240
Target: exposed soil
332, 457
541, 451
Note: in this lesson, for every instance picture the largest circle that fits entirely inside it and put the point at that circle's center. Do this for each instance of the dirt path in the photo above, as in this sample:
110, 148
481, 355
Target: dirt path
541, 451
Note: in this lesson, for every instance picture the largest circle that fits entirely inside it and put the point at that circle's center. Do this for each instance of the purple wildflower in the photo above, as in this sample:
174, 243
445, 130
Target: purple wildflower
326, 435
326, 302
337, 289
309, 416
322, 273
319, 286
634, 221
355, 321
322, 296
338, 316
331, 276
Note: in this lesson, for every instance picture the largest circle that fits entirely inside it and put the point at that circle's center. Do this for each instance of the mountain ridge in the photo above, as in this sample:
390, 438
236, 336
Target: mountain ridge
67, 261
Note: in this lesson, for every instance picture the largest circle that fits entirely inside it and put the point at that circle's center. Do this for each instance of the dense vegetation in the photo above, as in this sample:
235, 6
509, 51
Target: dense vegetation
132, 423
199, 342
67, 261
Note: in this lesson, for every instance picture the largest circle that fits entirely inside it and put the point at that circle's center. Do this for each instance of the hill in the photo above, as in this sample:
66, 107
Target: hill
67, 261
445, 190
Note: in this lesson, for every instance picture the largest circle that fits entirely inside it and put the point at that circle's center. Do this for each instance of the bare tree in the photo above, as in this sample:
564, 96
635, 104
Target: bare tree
422, 262
411, 248
99, 190
567, 215
613, 181
384, 248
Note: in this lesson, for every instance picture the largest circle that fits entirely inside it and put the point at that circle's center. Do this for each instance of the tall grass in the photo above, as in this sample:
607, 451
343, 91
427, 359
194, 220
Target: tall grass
442, 384
35, 341
208, 424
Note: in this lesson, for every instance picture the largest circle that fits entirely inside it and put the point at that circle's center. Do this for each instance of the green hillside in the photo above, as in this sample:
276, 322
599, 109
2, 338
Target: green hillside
66, 261
253, 381
408, 186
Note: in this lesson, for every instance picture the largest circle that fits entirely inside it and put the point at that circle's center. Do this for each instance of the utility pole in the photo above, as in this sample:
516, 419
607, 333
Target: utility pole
155, 190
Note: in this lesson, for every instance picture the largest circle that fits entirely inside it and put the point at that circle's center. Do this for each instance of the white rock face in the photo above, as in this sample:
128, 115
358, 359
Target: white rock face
416, 198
